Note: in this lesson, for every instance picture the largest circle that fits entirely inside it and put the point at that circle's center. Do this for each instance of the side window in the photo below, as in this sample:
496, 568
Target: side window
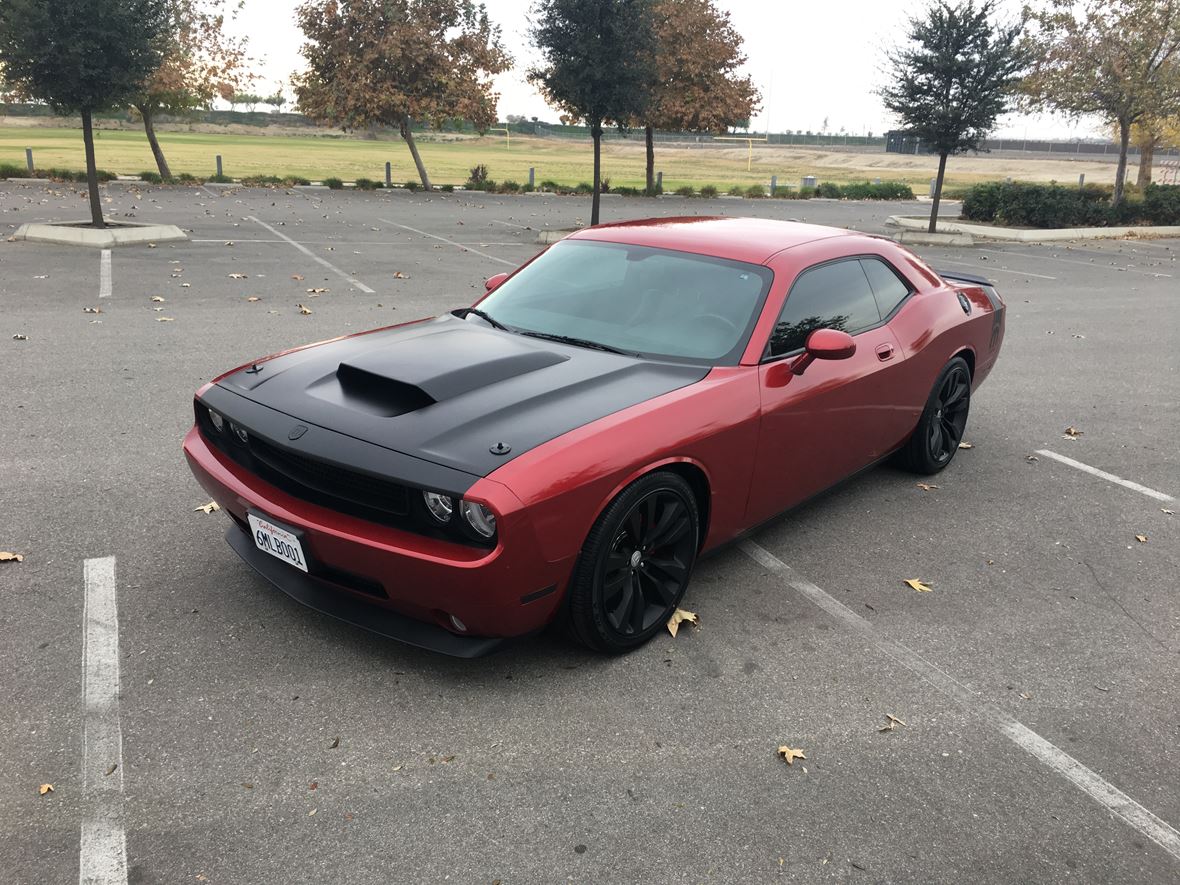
887, 285
832, 296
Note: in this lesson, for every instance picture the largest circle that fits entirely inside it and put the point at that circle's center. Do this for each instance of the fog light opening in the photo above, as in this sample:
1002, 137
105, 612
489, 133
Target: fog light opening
457, 624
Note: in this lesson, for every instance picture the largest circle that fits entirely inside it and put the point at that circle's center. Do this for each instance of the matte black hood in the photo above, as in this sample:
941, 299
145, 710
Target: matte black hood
449, 390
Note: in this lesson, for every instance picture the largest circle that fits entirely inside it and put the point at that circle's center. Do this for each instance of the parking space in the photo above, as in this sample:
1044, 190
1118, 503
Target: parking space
261, 742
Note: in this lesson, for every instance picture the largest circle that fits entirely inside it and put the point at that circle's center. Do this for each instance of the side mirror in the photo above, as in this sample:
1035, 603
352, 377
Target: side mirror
824, 344
493, 281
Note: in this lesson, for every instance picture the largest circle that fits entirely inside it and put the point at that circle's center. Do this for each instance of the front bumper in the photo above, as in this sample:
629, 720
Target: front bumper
391, 581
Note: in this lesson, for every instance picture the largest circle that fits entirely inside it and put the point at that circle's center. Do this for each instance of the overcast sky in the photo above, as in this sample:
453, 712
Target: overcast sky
812, 61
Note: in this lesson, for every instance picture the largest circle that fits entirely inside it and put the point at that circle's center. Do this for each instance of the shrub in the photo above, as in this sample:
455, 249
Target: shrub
550, 185
189, 178
527, 189
885, 190
368, 184
296, 181
510, 187
447, 188
709, 191
412, 186
1043, 205
828, 189
735, 191
685, 191
1161, 203
625, 191
334, 183
478, 175
261, 180
604, 185
584, 188
653, 192
151, 177
755, 191
220, 179
11, 170
806, 193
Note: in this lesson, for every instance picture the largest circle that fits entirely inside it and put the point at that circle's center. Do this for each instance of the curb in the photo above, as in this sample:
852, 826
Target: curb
1019, 235
117, 234
925, 238
547, 237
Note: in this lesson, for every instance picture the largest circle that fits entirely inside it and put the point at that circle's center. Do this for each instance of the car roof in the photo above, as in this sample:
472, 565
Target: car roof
752, 240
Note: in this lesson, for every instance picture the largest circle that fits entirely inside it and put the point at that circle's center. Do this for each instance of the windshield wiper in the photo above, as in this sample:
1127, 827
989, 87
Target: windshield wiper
578, 342
488, 318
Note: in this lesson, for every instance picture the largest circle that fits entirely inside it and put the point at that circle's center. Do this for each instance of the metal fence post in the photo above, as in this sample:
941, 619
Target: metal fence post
933, 185
773, 184
219, 173
532, 176
659, 181
29, 158
388, 174
1082, 180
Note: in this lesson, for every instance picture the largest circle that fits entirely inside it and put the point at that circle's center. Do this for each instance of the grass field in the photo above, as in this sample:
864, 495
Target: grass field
566, 162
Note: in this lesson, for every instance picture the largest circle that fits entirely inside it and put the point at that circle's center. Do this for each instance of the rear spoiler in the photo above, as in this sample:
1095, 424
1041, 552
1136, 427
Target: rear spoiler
963, 277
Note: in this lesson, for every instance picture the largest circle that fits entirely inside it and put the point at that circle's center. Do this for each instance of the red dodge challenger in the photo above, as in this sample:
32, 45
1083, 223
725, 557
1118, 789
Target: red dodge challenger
632, 397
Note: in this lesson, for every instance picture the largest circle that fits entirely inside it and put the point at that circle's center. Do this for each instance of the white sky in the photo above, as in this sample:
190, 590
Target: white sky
810, 63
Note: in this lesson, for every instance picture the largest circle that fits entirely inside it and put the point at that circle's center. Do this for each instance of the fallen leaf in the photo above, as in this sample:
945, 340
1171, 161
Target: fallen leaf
891, 723
1031, 458
1072, 431
966, 445
297, 276
398, 767
5, 556
211, 507
306, 311
164, 319
1142, 539
313, 785
111, 768
19, 337
926, 486
448, 758
248, 786
186, 285
918, 585
253, 298
238, 276
158, 299
44, 788
229, 242
335, 743
317, 291
92, 310
681, 616
398, 275
312, 812
789, 755
1167, 511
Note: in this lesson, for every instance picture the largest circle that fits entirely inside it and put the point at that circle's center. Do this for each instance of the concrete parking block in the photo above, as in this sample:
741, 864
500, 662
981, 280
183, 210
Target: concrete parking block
117, 233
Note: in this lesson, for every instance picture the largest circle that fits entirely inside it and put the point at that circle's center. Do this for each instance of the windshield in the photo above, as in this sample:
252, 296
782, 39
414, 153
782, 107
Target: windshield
634, 298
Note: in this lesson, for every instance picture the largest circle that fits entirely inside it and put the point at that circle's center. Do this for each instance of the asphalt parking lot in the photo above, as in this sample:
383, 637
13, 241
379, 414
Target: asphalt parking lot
256, 741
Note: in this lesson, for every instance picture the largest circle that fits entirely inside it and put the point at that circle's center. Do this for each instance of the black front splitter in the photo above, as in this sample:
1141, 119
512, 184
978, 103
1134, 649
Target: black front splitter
315, 594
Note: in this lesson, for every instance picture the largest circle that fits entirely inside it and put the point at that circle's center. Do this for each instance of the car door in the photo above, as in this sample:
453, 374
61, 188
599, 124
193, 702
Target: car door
822, 426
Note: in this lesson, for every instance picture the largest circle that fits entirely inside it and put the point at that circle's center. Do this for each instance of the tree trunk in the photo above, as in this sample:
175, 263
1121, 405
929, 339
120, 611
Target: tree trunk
596, 134
408, 135
91, 170
937, 196
1121, 172
1146, 159
161, 161
649, 136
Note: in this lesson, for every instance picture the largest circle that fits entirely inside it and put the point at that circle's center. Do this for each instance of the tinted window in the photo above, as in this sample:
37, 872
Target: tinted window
834, 296
887, 286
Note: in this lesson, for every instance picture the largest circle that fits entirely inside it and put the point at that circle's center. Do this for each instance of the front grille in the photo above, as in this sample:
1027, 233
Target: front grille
318, 482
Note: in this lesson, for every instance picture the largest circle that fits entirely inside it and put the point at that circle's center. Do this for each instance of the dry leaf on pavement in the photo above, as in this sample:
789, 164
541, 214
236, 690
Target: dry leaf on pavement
186, 285
926, 486
335, 743
918, 585
19, 337
966, 445
1072, 432
681, 616
157, 298
1142, 539
211, 507
253, 298
5, 556
317, 291
92, 310
1167, 511
398, 275
297, 276
789, 755
44, 788
891, 722
164, 320
306, 311
237, 276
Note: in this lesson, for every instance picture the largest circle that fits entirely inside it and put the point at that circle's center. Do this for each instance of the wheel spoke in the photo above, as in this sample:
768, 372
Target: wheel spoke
673, 532
658, 527
634, 527
957, 394
672, 569
638, 604
618, 614
616, 560
951, 433
665, 591
935, 438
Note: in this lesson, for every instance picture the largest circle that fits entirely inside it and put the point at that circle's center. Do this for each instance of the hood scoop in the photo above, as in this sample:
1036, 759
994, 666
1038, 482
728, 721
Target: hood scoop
408, 375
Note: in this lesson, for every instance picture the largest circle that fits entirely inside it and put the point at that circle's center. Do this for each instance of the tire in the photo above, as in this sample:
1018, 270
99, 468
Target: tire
635, 565
935, 440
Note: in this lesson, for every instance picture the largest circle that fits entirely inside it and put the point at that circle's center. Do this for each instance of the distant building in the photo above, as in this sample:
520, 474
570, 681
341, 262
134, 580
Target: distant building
898, 141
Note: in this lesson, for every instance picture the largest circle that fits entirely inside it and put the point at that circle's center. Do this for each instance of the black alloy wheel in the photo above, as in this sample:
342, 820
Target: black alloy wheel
943, 422
636, 564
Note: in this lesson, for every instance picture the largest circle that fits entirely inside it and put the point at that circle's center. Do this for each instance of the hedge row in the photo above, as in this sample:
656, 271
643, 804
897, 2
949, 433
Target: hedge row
1051, 205
11, 170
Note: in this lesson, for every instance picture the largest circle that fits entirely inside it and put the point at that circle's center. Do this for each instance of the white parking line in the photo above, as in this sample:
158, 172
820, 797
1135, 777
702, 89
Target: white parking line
1019, 273
348, 278
1093, 264
983, 713
449, 242
1109, 477
104, 274
510, 224
103, 855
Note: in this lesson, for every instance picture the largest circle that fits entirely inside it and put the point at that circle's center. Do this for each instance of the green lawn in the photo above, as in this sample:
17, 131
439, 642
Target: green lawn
316, 157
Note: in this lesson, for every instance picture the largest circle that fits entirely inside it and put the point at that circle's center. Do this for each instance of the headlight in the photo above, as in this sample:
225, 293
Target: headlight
218, 421
239, 432
481, 520
439, 506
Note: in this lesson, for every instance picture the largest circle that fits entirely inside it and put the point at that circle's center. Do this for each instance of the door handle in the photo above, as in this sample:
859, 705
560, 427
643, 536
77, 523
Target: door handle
884, 352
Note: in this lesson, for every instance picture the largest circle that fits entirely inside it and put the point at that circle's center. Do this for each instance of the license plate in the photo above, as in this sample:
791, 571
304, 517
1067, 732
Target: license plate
279, 542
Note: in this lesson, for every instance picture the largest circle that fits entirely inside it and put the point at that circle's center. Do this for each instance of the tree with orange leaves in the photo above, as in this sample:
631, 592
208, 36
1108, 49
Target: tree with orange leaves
201, 62
697, 86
